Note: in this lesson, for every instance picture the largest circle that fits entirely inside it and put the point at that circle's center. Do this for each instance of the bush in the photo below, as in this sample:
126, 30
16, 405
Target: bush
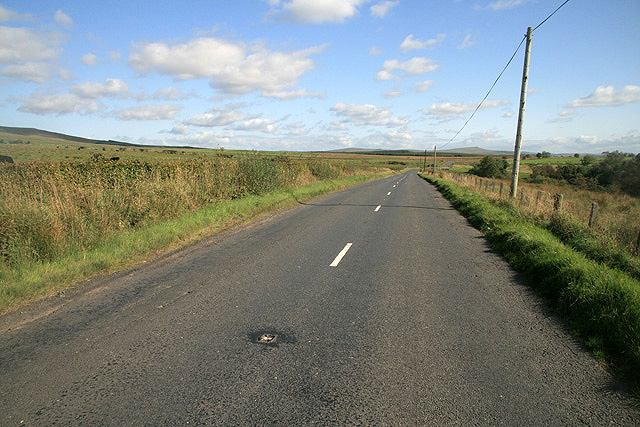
491, 167
323, 170
259, 175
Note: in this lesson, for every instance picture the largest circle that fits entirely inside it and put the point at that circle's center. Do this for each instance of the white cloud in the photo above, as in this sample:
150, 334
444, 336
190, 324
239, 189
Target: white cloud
563, 116
318, 11
301, 93
375, 51
93, 90
410, 43
423, 86
199, 58
483, 138
457, 110
90, 60
380, 10
467, 42
202, 139
629, 142
606, 96
219, 116
508, 114
179, 129
167, 93
64, 103
30, 71
263, 70
170, 94
19, 45
233, 68
63, 19
397, 138
7, 15
296, 129
115, 55
148, 112
392, 93
337, 126
413, 67
503, 4
257, 125
367, 115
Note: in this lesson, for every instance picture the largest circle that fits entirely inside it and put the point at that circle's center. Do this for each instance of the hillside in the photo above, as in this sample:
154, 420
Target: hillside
38, 135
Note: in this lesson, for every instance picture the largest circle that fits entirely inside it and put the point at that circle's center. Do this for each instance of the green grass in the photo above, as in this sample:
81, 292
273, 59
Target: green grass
601, 303
29, 281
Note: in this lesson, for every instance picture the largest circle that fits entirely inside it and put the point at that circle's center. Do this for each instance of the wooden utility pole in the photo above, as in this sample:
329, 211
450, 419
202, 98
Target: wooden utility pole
523, 100
424, 164
434, 159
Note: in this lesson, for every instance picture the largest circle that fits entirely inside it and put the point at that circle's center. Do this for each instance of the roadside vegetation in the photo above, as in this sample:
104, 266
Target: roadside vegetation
588, 278
63, 221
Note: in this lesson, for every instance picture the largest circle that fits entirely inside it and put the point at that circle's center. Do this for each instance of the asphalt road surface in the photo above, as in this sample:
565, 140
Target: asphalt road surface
376, 305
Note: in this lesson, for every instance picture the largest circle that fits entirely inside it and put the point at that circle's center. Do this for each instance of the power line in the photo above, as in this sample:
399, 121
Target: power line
547, 18
487, 95
501, 72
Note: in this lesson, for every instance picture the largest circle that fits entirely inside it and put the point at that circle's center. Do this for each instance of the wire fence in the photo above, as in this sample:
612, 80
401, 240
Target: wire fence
621, 228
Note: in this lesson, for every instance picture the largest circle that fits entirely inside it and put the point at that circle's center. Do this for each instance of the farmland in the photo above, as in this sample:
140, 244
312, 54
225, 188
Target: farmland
71, 209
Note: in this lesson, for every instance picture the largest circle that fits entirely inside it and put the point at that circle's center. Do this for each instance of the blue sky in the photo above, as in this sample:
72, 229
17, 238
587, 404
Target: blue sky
323, 74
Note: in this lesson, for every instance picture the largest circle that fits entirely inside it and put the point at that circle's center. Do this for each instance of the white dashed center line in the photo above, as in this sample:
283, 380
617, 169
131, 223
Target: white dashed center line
340, 255
378, 208
389, 193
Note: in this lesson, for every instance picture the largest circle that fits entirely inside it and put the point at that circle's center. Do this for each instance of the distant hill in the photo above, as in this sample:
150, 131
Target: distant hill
465, 151
476, 151
32, 132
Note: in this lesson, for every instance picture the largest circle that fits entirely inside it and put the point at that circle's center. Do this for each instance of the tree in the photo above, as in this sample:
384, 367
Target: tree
491, 167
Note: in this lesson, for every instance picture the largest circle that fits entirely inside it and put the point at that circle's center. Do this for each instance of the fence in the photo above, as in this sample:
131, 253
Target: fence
604, 218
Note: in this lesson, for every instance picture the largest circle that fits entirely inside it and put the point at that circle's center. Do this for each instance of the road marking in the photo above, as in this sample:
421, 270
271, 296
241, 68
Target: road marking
378, 208
394, 186
340, 255
389, 193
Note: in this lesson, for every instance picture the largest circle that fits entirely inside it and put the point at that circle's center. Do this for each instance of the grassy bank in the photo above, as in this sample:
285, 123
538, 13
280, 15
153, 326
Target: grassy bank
600, 301
63, 222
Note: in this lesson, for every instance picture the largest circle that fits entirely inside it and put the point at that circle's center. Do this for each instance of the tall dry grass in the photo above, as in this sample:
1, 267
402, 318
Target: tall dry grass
49, 209
616, 219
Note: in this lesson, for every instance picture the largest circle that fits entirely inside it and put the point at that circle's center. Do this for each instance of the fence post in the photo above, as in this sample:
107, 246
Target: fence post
538, 197
638, 244
501, 189
557, 205
522, 196
594, 213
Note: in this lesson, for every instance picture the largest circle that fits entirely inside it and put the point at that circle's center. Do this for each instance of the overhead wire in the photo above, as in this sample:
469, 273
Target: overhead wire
553, 13
502, 72
488, 92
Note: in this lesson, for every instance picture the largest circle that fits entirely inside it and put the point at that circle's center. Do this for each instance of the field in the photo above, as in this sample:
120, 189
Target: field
71, 209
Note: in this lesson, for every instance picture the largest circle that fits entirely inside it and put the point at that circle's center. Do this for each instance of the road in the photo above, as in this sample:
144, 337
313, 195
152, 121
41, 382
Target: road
418, 322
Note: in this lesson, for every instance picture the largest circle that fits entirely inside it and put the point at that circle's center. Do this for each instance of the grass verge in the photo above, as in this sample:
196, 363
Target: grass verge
29, 281
601, 304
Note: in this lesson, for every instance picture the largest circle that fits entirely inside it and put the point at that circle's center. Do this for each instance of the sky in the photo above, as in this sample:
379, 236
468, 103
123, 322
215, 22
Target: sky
301, 75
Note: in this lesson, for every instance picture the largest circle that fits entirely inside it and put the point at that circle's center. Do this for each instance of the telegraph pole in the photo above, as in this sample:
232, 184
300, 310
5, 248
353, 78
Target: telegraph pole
523, 100
424, 164
435, 149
